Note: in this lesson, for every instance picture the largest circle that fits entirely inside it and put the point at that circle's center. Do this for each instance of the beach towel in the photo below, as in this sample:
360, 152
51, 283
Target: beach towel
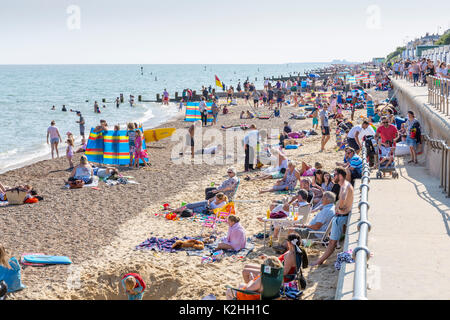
210, 248
160, 244
31, 264
343, 257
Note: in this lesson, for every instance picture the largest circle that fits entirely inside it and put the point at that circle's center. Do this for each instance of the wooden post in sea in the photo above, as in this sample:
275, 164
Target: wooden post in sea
139, 98
104, 100
157, 98
121, 98
176, 96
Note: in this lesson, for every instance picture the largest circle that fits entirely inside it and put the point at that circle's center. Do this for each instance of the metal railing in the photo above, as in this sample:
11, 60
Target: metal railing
361, 253
438, 93
442, 146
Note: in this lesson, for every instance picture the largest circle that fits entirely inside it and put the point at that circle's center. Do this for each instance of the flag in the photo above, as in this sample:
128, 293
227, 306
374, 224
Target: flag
218, 83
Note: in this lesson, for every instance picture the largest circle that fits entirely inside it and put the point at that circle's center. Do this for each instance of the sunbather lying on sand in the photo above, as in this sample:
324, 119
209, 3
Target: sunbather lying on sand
219, 201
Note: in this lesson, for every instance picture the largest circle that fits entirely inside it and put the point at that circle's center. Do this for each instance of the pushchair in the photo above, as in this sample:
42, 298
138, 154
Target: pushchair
382, 153
370, 144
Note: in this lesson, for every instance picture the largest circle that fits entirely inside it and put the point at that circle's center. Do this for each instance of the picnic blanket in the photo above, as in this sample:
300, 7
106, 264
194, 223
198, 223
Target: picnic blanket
210, 248
160, 244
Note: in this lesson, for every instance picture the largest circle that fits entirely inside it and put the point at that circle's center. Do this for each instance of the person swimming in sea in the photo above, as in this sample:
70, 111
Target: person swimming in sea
53, 108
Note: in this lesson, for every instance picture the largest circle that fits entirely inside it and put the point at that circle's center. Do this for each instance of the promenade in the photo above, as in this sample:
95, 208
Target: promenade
409, 240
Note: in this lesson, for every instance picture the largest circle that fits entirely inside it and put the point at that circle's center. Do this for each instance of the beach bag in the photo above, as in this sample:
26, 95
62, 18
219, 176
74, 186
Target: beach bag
15, 196
278, 215
187, 213
12, 276
77, 184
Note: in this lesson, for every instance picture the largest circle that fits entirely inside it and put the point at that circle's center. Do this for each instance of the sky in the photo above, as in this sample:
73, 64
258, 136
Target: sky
210, 31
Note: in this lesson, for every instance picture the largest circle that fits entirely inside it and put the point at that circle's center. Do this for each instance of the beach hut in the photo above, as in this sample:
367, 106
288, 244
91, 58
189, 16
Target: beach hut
193, 112
110, 147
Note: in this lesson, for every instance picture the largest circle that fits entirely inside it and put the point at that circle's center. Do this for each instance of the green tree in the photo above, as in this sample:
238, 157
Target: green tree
445, 39
391, 56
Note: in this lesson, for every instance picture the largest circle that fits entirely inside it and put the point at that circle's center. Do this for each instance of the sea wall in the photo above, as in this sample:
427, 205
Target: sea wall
434, 123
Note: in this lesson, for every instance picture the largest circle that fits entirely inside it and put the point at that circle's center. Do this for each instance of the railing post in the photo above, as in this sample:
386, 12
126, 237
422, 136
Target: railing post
362, 253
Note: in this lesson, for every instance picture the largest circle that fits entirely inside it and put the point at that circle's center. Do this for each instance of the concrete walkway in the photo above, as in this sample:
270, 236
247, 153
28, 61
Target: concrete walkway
409, 240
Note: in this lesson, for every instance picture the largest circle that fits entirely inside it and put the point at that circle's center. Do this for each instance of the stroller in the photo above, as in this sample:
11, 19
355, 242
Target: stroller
386, 154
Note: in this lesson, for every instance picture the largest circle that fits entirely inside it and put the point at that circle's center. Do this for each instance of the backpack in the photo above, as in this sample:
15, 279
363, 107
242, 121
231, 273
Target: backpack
11, 276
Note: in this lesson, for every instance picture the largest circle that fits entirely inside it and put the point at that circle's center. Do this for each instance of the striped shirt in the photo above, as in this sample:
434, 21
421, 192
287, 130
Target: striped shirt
355, 162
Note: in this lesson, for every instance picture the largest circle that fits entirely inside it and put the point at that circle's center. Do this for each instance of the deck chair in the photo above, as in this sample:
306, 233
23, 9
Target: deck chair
301, 262
231, 197
223, 213
271, 283
324, 235
209, 222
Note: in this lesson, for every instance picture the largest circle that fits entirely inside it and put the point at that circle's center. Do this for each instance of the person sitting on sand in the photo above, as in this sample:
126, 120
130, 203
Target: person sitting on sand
236, 239
252, 280
218, 201
83, 171
83, 146
134, 286
228, 187
308, 171
288, 182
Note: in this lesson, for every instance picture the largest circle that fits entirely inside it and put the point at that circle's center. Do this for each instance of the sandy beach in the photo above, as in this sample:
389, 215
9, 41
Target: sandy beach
99, 229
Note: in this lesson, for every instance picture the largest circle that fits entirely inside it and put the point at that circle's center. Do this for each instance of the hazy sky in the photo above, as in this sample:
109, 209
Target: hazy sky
211, 31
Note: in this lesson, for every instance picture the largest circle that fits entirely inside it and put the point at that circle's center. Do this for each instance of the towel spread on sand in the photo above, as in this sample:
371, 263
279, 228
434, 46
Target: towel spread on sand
210, 248
160, 244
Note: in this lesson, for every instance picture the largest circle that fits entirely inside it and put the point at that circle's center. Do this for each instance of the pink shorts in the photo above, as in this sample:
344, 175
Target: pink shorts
309, 172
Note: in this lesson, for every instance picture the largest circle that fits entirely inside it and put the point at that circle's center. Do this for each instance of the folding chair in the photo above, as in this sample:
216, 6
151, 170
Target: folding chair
223, 213
231, 197
210, 222
271, 283
325, 234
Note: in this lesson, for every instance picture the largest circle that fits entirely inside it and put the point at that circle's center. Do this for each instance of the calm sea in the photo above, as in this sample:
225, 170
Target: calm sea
28, 92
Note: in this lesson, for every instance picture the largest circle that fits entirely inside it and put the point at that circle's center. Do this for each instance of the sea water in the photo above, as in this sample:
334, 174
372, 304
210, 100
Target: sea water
28, 92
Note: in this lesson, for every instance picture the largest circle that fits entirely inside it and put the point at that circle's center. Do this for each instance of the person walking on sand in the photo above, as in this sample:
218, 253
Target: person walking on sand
250, 144
55, 138
325, 128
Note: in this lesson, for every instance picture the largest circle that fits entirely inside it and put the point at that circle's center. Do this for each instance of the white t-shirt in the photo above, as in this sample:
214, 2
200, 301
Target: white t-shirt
53, 131
210, 150
353, 131
366, 132
251, 138
202, 106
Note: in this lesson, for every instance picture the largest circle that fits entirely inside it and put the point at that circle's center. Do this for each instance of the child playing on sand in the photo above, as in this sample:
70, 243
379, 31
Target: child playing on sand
69, 152
139, 154
83, 146
134, 286
132, 138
